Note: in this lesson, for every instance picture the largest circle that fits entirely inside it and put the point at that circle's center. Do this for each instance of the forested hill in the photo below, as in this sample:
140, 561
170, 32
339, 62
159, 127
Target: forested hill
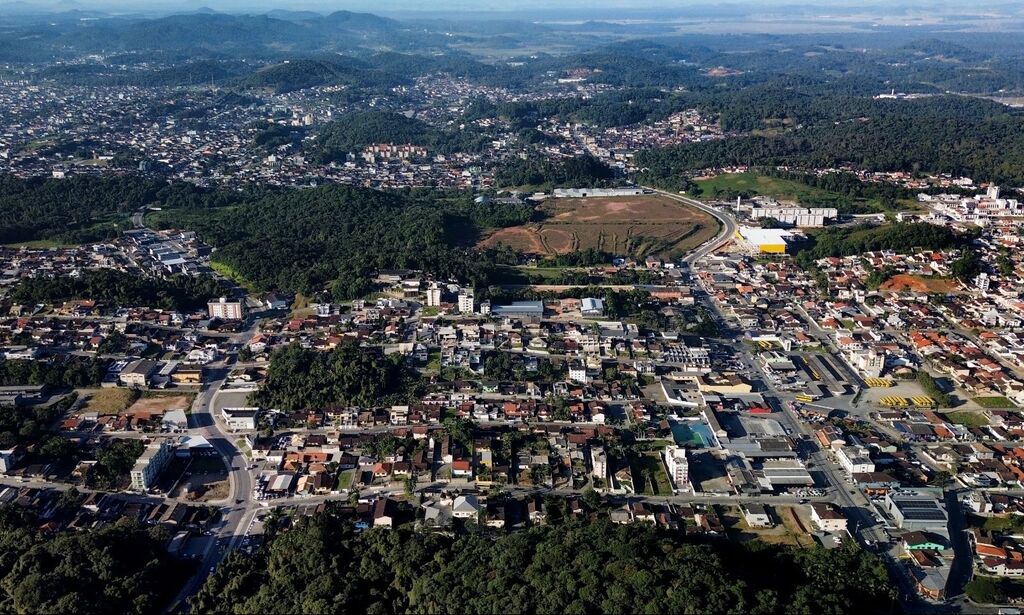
567, 567
331, 237
88, 208
942, 134
302, 73
336, 237
120, 568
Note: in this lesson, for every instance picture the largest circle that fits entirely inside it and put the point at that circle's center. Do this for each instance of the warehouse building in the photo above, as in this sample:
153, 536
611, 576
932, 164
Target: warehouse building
582, 193
796, 216
916, 511
766, 240
523, 310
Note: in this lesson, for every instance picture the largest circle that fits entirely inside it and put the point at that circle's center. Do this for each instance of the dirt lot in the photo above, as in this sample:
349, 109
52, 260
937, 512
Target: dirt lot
640, 226
790, 528
203, 480
159, 404
919, 284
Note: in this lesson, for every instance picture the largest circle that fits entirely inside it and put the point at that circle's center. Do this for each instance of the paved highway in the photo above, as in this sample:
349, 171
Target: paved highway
725, 235
238, 511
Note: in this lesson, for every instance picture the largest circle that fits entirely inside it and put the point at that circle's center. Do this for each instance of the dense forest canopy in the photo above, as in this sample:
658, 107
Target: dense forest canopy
114, 287
354, 131
899, 238
65, 209
24, 426
943, 134
300, 378
117, 569
337, 236
322, 566
578, 172
72, 209
70, 371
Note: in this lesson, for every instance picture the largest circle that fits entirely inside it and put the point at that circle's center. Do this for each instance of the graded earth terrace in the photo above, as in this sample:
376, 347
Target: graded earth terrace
640, 226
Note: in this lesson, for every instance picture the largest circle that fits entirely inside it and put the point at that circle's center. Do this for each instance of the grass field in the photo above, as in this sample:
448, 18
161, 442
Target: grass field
782, 189
110, 401
780, 534
638, 226
38, 244
243, 447
995, 401
967, 419
229, 272
649, 475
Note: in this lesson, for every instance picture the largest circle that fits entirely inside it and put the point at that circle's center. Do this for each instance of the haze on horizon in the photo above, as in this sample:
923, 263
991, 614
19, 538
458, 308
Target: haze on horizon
991, 7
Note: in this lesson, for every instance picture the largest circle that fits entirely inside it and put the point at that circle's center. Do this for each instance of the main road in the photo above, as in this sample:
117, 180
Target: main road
724, 236
238, 512
856, 506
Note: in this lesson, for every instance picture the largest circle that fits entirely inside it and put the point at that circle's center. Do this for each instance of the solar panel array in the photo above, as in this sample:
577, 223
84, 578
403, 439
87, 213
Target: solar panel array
920, 509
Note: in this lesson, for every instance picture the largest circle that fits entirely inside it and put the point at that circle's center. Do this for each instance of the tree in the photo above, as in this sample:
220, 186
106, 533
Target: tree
967, 267
300, 378
565, 566
459, 429
118, 568
69, 500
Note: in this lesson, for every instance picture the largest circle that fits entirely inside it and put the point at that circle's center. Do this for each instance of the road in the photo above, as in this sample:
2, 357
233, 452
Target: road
724, 236
682, 498
858, 509
241, 508
237, 514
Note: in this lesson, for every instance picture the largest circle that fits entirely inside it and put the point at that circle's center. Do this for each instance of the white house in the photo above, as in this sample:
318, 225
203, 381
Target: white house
828, 517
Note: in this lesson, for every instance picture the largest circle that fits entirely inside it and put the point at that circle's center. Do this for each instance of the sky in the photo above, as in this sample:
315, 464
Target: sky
393, 6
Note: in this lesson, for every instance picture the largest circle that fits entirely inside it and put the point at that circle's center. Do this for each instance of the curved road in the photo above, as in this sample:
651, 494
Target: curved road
726, 234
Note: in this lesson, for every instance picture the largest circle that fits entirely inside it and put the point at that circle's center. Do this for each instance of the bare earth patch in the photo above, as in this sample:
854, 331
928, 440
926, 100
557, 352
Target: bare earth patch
203, 488
159, 404
919, 284
639, 226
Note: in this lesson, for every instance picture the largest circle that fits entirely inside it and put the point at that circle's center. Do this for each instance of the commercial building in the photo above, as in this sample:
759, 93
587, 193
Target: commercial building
756, 515
225, 309
916, 510
137, 373
766, 241
870, 362
796, 216
581, 193
592, 307
8, 458
150, 464
21, 394
778, 474
523, 310
188, 373
855, 460
240, 419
